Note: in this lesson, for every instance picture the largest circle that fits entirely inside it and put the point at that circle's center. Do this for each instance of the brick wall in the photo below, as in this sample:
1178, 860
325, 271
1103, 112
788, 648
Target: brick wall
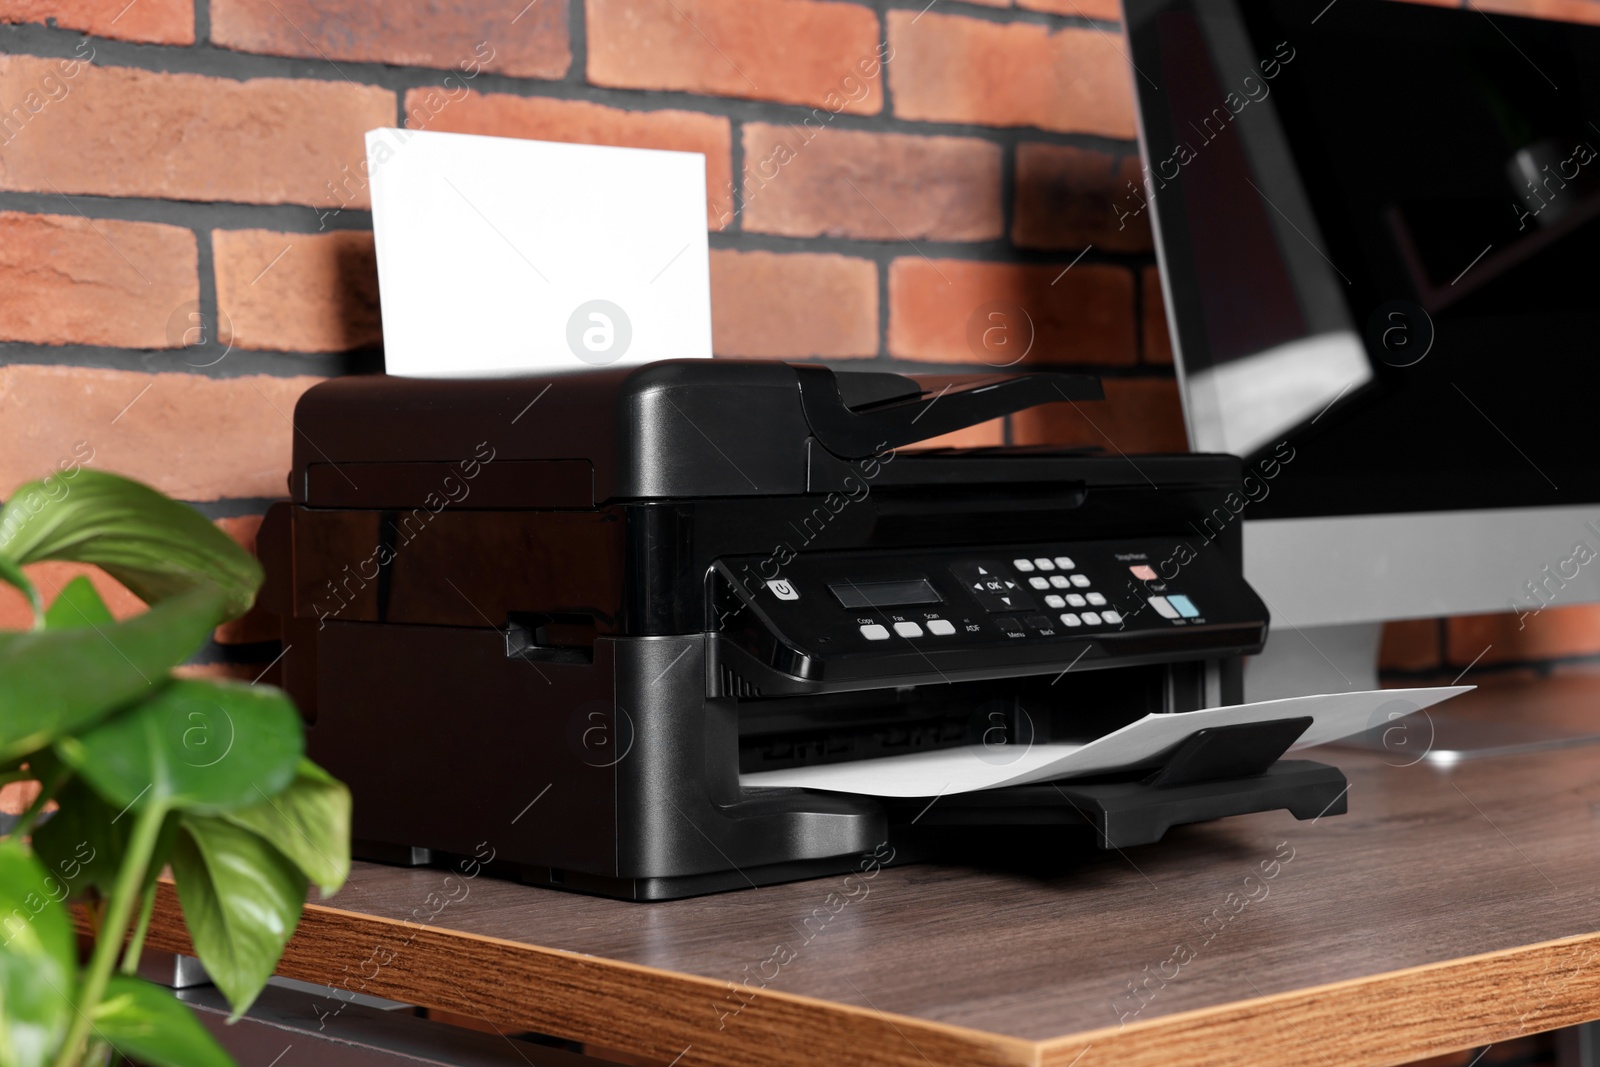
185, 243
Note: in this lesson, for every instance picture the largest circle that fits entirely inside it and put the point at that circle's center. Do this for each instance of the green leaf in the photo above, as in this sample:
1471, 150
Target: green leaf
83, 843
54, 682
152, 544
147, 1023
12, 575
309, 822
241, 899
195, 745
77, 605
37, 962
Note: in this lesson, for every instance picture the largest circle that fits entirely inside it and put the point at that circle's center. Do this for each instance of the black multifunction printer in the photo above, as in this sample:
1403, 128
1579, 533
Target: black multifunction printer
553, 619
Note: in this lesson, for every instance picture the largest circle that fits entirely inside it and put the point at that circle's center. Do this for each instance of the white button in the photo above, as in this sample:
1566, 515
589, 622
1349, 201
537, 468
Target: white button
874, 632
1080, 580
908, 629
1023, 565
1111, 616
1097, 599
1038, 582
1092, 618
1065, 563
1044, 564
1165, 610
1053, 601
1059, 581
941, 627
783, 590
1076, 599
1070, 619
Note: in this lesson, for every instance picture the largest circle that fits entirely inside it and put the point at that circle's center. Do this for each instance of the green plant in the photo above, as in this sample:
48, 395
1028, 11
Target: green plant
147, 770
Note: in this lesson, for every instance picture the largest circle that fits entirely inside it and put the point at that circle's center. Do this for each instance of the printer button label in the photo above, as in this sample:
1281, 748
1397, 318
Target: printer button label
783, 590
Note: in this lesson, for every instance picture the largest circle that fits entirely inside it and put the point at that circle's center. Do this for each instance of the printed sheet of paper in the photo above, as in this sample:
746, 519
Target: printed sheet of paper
962, 770
498, 255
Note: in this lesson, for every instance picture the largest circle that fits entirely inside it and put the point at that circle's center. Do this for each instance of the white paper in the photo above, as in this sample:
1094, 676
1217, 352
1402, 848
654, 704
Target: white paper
498, 255
962, 770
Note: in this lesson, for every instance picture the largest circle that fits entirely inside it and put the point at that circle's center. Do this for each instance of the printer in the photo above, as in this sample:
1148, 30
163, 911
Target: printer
553, 620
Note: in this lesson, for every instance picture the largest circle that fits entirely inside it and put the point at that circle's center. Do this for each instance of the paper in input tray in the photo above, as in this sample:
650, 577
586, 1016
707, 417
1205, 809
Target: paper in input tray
1140, 743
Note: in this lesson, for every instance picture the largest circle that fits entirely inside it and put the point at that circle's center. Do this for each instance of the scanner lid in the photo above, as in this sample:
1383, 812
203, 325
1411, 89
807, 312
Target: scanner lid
671, 429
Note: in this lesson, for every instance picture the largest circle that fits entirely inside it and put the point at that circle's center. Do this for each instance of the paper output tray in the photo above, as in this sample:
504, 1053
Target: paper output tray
1216, 772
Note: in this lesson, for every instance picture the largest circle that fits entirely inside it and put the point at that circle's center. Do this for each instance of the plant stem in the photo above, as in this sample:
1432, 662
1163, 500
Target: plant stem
47, 791
146, 830
147, 907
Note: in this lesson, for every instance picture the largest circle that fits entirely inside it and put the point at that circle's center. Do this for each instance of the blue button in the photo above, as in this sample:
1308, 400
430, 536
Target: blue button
1184, 605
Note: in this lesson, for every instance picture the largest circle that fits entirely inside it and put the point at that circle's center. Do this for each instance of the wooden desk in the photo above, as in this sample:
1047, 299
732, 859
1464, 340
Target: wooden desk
1449, 909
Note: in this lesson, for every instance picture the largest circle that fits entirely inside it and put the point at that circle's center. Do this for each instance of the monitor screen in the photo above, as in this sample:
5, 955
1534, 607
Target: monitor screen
1379, 230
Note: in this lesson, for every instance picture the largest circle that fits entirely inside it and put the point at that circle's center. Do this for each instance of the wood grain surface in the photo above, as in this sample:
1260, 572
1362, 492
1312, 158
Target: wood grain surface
1448, 909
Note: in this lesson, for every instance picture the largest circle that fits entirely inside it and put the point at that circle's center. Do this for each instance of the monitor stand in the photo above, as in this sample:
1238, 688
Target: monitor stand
1341, 659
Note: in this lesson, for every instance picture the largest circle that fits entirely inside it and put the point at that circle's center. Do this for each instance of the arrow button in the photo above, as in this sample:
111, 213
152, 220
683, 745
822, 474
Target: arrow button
990, 584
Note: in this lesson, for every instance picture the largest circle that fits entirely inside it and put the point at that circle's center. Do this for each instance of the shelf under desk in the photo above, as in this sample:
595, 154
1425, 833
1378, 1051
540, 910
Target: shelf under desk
1448, 909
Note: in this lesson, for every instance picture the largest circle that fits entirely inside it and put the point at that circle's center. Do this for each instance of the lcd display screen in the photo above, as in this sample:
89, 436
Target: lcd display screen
856, 595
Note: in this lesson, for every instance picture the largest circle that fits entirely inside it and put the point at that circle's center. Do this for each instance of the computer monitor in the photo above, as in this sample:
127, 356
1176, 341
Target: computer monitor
1377, 229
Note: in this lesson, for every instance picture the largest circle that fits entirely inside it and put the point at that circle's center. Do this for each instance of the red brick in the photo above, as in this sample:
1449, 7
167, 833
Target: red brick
814, 52
68, 280
1072, 197
469, 36
940, 310
152, 21
947, 68
1553, 633
255, 624
580, 122
16, 796
1563, 10
794, 305
1156, 340
1138, 415
297, 292
124, 132
1105, 10
192, 437
1410, 645
983, 435
238, 672
801, 181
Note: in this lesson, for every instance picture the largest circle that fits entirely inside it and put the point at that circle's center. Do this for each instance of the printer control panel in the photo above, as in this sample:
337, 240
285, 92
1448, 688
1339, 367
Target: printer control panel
1039, 601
